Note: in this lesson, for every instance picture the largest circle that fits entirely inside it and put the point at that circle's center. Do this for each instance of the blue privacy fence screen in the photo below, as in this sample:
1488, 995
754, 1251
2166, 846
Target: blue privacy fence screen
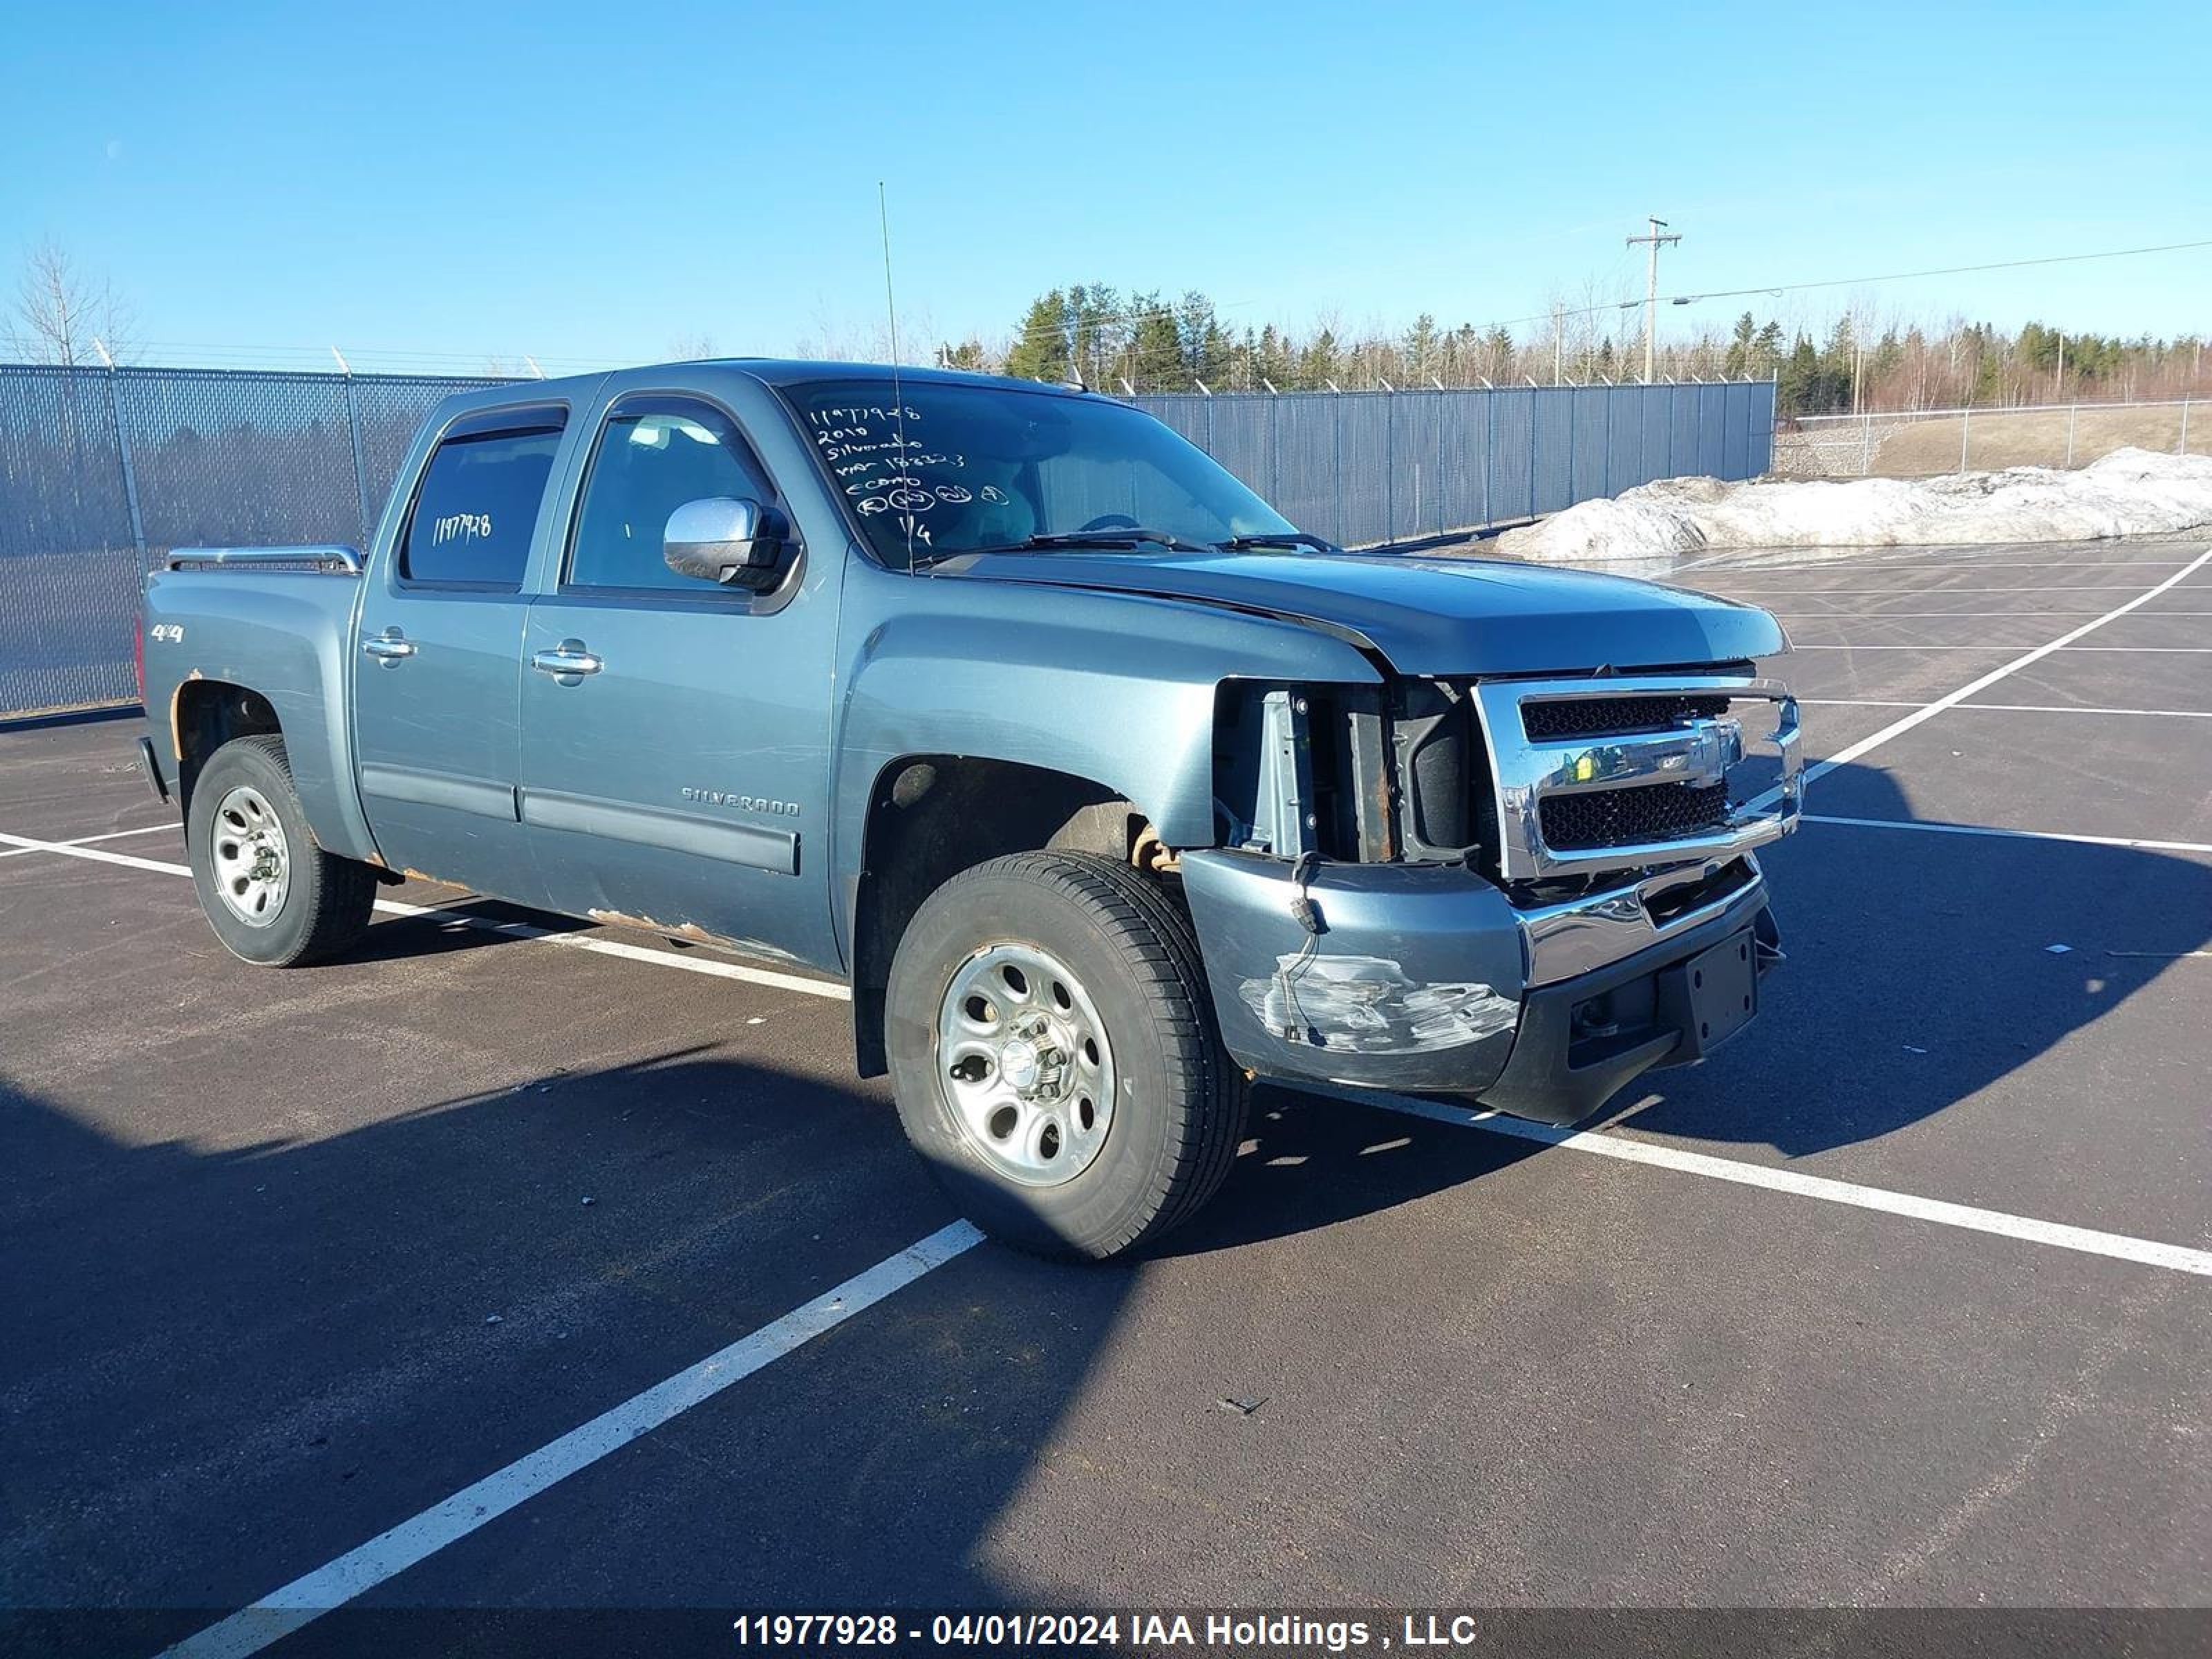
103, 471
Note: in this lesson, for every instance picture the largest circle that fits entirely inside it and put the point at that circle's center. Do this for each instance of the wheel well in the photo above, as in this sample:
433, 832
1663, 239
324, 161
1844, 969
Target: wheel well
209, 713
930, 816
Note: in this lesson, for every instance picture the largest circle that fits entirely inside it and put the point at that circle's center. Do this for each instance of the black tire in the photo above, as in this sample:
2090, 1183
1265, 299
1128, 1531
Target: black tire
1179, 1102
325, 904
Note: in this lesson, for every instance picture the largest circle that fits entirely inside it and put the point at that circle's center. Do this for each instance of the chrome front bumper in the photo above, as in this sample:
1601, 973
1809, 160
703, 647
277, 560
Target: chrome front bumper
1526, 772
1582, 935
1422, 978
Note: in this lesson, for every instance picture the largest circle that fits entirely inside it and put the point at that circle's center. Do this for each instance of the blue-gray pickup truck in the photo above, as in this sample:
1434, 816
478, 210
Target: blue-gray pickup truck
1106, 789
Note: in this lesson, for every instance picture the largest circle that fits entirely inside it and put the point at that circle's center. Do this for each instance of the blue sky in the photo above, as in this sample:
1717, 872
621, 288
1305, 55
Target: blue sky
603, 181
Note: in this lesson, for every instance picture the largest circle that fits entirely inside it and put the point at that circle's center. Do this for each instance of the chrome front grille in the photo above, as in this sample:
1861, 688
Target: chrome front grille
1608, 716
1621, 818
1632, 771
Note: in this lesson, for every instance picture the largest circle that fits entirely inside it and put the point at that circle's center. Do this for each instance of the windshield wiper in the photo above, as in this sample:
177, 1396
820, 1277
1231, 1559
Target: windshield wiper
1115, 536
1277, 538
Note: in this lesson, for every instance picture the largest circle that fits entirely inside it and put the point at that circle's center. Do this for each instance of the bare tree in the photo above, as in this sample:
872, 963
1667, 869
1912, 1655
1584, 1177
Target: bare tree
696, 346
61, 311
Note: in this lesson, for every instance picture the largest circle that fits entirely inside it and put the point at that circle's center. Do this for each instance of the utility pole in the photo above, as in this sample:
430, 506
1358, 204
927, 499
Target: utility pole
1652, 288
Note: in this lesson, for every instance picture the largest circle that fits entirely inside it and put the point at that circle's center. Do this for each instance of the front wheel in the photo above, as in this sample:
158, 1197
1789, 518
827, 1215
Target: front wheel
1054, 1056
273, 897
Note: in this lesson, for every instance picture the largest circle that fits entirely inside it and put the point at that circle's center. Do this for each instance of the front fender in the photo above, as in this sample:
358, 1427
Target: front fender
1114, 688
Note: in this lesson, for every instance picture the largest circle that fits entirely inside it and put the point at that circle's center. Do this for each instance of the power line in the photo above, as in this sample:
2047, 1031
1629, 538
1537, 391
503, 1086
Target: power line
1857, 282
1946, 270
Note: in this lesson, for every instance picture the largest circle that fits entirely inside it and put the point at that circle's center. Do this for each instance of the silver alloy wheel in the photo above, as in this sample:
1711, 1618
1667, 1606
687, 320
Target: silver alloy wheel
252, 861
1023, 1065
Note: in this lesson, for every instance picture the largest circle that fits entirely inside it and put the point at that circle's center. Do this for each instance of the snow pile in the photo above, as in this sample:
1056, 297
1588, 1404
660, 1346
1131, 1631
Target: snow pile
2130, 492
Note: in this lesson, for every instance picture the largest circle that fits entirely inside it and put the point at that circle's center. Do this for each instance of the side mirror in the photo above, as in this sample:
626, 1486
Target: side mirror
725, 540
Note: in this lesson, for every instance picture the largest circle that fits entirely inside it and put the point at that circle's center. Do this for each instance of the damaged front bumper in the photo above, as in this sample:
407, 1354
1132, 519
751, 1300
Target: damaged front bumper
1427, 979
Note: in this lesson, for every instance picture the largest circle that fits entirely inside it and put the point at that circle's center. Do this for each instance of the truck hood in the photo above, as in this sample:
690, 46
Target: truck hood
1431, 616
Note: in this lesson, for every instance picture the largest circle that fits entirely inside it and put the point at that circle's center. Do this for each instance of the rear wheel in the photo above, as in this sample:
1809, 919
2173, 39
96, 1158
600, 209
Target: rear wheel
1054, 1056
273, 897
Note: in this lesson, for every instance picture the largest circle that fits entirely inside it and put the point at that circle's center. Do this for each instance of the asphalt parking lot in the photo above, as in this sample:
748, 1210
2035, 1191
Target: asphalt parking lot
1899, 1301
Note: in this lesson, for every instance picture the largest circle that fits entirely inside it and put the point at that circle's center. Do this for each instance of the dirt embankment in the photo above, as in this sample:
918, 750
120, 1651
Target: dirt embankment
1892, 447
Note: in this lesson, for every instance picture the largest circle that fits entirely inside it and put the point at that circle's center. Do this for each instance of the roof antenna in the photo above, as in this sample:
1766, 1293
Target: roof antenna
898, 398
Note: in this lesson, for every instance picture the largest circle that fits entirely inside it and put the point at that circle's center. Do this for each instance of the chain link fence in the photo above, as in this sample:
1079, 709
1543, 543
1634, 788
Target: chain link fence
1926, 442
103, 471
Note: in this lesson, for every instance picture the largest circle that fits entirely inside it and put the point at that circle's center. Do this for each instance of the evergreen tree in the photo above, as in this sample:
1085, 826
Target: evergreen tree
1158, 350
1241, 366
1273, 358
1215, 354
1801, 379
1840, 367
1737, 363
1193, 325
1320, 362
1498, 349
1101, 332
1040, 348
1419, 354
1766, 350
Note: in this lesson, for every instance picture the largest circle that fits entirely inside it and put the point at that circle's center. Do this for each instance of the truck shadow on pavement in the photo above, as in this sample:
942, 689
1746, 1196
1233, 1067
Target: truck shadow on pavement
228, 1358
1925, 967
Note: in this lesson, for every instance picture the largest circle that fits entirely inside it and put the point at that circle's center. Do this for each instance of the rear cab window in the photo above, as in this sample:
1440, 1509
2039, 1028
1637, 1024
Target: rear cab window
476, 510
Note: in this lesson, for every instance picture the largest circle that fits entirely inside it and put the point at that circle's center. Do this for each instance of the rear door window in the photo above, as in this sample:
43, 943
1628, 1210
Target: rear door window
477, 508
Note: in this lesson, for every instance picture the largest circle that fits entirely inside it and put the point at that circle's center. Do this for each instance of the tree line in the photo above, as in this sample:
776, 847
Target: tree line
1146, 341
1150, 340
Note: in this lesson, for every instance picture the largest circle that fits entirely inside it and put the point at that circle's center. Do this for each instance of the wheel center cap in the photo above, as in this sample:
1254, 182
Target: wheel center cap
1019, 1065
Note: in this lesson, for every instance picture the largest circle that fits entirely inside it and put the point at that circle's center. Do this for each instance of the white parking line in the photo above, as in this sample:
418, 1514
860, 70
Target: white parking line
1882, 555
1945, 616
605, 947
2011, 707
2026, 589
98, 854
1799, 645
1939, 828
281, 1612
1833, 567
2149, 1253
2123, 650
829, 989
87, 841
1886, 555
1928, 712
1719, 1169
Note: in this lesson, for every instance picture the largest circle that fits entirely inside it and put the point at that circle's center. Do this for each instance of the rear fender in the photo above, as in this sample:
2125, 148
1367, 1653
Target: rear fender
285, 636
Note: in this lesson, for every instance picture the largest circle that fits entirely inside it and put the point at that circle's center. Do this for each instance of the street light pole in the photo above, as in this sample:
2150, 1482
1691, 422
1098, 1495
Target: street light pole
1651, 289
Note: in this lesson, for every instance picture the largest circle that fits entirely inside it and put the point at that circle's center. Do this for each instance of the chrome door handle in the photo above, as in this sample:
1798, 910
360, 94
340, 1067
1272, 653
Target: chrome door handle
568, 658
388, 645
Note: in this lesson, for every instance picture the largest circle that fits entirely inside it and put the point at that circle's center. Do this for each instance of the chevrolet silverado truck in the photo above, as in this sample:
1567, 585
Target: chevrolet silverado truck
1106, 789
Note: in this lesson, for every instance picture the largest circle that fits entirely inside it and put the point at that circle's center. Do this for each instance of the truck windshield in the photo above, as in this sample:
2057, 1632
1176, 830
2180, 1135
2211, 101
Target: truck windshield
942, 470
